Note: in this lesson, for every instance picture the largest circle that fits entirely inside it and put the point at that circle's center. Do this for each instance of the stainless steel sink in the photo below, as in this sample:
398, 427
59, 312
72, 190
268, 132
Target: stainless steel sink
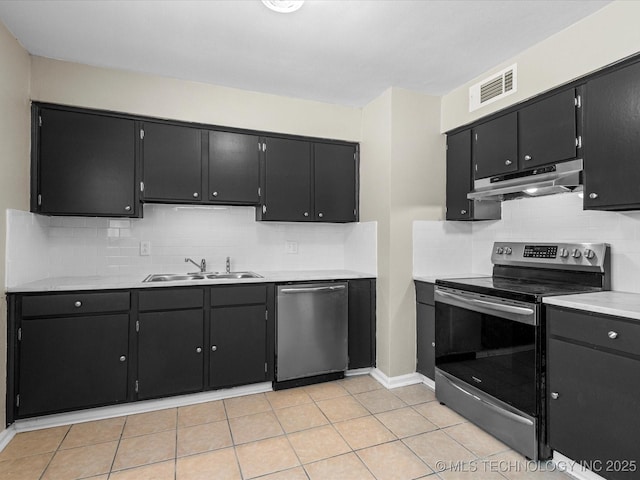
185, 277
233, 275
169, 277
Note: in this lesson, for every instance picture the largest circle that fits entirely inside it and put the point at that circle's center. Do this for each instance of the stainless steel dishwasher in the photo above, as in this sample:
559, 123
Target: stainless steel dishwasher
312, 321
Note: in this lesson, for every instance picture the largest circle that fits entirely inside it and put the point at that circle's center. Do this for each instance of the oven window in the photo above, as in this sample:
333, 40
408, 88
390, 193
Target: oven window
495, 355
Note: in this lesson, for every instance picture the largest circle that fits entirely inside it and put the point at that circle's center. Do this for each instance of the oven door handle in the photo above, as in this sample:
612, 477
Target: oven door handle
505, 308
501, 411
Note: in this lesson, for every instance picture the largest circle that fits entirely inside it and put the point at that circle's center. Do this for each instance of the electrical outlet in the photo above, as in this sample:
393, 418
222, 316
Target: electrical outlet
145, 248
291, 247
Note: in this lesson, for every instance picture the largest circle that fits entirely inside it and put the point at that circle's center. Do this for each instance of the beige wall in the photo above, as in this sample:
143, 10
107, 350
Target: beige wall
604, 37
403, 181
14, 162
82, 85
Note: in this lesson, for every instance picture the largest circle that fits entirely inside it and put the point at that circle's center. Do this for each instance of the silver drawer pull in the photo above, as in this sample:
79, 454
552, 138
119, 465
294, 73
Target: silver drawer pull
555, 395
122, 358
214, 348
199, 350
612, 335
78, 304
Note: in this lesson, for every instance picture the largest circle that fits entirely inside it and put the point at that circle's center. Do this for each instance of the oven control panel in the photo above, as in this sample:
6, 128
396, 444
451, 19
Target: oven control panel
578, 256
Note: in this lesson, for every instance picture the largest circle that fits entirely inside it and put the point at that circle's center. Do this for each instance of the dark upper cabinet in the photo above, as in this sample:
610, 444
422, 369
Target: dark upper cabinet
287, 182
612, 141
307, 181
460, 182
171, 163
83, 164
234, 168
548, 130
335, 191
495, 146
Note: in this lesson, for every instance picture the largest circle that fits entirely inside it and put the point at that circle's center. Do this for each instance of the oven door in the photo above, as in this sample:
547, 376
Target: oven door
490, 343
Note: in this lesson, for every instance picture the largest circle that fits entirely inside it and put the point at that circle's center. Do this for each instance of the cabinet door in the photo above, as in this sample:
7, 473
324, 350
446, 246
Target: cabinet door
86, 165
170, 353
548, 130
362, 324
459, 178
495, 147
234, 168
238, 345
72, 362
172, 163
334, 183
595, 415
426, 337
288, 180
612, 145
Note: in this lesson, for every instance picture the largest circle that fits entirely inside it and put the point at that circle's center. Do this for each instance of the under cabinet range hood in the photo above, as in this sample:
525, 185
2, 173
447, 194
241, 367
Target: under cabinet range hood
545, 180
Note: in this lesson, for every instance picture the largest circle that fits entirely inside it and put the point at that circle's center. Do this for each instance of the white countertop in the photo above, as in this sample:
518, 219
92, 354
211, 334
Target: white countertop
621, 304
136, 281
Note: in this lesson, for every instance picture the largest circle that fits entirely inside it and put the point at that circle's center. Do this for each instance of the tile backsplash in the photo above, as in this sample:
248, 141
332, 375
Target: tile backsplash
466, 247
40, 247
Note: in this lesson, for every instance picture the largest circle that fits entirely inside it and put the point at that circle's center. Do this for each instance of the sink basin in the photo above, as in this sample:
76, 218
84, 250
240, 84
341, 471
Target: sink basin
169, 277
233, 275
185, 277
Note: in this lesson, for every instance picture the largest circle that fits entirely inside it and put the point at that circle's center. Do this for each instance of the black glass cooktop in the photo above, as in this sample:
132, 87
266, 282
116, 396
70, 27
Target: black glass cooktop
516, 288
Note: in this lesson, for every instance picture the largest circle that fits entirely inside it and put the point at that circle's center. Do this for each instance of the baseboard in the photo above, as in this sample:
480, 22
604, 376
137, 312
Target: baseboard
143, 406
573, 468
427, 381
396, 382
358, 371
6, 435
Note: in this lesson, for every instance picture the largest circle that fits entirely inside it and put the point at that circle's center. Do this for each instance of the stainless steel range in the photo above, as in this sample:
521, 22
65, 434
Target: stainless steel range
490, 336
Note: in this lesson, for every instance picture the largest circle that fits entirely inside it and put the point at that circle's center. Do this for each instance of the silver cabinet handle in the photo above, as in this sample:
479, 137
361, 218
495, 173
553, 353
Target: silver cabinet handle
321, 215
264, 209
527, 158
555, 395
593, 195
198, 350
122, 358
78, 304
508, 162
127, 208
463, 212
612, 335
433, 344
214, 348
196, 194
215, 194
306, 214
506, 308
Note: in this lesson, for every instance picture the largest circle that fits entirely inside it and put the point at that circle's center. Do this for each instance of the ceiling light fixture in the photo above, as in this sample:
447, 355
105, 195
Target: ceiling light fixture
283, 6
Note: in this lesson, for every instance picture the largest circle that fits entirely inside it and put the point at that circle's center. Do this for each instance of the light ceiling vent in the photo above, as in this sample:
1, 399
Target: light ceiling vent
494, 88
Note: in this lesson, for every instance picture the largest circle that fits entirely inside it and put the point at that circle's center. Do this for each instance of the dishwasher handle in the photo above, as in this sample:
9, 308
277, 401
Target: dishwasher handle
313, 289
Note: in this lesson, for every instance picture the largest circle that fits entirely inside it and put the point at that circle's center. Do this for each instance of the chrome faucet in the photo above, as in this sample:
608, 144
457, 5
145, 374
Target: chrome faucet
228, 264
202, 266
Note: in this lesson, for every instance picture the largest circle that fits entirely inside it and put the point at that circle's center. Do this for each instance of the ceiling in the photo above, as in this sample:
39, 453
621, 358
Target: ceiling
338, 51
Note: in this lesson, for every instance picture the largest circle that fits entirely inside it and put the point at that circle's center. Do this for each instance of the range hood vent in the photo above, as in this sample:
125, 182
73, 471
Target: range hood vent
494, 88
559, 178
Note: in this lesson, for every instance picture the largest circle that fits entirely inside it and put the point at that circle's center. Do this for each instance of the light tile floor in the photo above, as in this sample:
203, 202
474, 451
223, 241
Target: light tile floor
352, 429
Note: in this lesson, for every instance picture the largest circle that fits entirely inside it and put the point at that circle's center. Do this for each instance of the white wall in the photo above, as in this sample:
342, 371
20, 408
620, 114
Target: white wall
42, 247
554, 218
604, 37
14, 161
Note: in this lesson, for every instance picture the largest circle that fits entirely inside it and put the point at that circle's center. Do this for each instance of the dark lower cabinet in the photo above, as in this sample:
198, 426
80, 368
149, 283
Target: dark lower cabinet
612, 148
593, 393
170, 353
72, 362
83, 164
362, 323
238, 346
425, 329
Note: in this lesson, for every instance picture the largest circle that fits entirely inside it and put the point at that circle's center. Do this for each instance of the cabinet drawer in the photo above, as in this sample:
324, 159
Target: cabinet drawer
170, 299
65, 304
595, 329
238, 295
424, 292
